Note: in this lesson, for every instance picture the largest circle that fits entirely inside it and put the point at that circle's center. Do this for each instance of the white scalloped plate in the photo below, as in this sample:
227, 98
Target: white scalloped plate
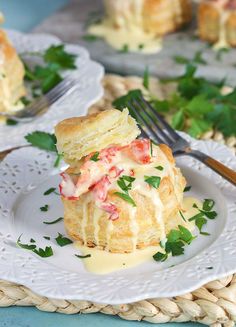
88, 91
27, 173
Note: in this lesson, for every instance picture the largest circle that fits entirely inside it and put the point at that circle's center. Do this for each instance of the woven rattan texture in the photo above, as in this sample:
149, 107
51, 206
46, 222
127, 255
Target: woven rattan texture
213, 304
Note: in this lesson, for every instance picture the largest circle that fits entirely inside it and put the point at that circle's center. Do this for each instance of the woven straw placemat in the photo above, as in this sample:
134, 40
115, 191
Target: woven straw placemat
213, 304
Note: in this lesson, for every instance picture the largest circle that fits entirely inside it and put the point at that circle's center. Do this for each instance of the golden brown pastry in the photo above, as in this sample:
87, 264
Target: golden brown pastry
138, 24
78, 137
11, 75
120, 197
217, 22
155, 16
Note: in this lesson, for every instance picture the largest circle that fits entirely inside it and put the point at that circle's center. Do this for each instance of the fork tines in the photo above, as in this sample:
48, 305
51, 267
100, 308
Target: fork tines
151, 122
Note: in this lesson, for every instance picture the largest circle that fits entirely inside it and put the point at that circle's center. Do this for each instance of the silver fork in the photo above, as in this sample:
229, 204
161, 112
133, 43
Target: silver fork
153, 126
43, 103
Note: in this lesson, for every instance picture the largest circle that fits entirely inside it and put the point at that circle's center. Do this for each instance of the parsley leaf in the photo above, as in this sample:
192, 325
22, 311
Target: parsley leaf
44, 208
122, 102
204, 213
126, 197
160, 168
159, 256
187, 188
25, 246
62, 240
154, 181
146, 78
182, 216
83, 256
47, 238
54, 221
11, 122
176, 241
56, 54
124, 49
42, 140
125, 182
208, 204
95, 157
49, 191
44, 253
90, 37
47, 252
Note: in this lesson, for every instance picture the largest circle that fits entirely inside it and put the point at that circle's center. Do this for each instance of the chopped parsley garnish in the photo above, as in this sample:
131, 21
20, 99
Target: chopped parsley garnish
44, 208
182, 216
47, 237
44, 253
32, 240
124, 49
25, 246
54, 221
42, 140
151, 148
146, 77
160, 168
209, 268
90, 37
58, 159
141, 46
126, 197
205, 213
197, 59
154, 181
11, 122
49, 191
187, 188
208, 204
83, 256
45, 77
196, 106
62, 240
125, 183
177, 239
95, 156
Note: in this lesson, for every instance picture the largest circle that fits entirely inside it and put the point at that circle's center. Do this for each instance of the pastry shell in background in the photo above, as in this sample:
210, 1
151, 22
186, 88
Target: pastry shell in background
217, 24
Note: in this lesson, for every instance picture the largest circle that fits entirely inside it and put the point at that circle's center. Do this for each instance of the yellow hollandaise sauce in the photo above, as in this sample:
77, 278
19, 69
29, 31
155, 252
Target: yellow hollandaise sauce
134, 37
104, 262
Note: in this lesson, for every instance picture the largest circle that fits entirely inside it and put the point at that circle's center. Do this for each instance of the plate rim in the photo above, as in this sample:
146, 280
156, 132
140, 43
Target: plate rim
118, 296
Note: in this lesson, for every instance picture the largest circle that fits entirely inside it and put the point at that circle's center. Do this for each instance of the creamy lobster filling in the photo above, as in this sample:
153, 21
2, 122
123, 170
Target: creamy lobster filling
120, 168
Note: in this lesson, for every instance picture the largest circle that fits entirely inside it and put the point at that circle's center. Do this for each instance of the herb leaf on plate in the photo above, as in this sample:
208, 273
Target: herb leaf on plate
62, 240
56, 54
42, 140
54, 221
176, 241
83, 256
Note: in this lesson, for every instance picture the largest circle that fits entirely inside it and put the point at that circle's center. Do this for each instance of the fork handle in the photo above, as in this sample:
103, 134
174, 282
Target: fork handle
215, 165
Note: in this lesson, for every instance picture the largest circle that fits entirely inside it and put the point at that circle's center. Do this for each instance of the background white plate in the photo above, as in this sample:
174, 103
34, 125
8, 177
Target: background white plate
88, 91
27, 173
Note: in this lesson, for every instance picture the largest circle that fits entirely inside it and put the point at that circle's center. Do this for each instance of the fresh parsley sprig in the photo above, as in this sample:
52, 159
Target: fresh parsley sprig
196, 106
62, 240
45, 141
125, 183
44, 253
154, 181
205, 213
44, 78
177, 239
95, 156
